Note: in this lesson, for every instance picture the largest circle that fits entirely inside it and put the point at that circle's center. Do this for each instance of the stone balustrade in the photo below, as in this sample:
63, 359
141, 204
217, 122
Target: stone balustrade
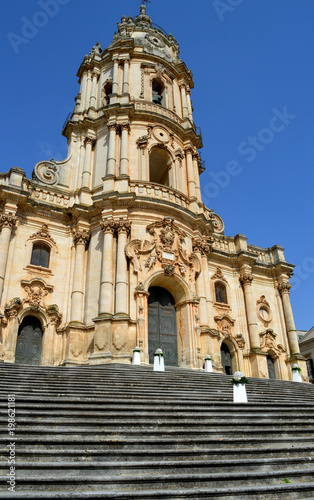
158, 191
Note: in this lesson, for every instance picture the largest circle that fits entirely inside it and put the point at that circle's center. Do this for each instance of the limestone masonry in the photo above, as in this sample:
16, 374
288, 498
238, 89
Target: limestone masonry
113, 249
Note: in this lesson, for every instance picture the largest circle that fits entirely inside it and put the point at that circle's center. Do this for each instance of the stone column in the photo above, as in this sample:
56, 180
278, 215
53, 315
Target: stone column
142, 145
88, 88
196, 176
124, 155
81, 239
188, 98
185, 112
200, 285
125, 88
7, 222
92, 101
284, 289
115, 75
111, 161
86, 176
246, 279
208, 294
106, 285
181, 185
83, 91
190, 173
123, 229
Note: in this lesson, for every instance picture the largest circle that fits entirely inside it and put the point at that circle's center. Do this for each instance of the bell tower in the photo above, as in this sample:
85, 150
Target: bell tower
133, 123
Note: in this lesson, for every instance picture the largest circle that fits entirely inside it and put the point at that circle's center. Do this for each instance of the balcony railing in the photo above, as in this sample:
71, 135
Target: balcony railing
160, 192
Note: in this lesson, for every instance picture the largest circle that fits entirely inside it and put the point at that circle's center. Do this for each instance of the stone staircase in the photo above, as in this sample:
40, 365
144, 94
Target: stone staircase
126, 432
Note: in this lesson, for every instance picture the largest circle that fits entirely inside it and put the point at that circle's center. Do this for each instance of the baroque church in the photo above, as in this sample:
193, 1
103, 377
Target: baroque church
112, 250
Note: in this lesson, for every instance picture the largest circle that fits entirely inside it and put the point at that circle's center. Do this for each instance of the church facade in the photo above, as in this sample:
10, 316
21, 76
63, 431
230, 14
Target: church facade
113, 248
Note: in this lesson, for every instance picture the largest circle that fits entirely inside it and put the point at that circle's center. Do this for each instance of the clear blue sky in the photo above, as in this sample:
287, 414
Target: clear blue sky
252, 62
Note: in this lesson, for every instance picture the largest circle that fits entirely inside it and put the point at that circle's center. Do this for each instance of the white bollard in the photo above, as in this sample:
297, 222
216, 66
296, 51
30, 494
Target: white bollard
208, 364
136, 356
296, 373
239, 390
159, 361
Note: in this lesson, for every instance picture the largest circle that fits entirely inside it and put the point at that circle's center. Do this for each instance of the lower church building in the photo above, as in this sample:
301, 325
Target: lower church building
113, 248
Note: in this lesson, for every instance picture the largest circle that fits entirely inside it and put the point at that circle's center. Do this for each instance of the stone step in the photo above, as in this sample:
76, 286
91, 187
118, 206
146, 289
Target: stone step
269, 492
172, 466
68, 410
162, 431
137, 482
83, 453
127, 442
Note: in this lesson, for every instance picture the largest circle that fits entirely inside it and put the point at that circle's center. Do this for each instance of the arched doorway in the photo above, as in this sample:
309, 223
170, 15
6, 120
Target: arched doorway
271, 367
29, 341
226, 359
162, 330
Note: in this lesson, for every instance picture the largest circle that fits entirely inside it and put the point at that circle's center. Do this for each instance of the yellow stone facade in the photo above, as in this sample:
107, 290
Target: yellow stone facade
123, 213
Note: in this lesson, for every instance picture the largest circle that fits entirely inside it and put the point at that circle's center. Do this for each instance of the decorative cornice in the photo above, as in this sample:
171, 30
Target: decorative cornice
218, 275
43, 233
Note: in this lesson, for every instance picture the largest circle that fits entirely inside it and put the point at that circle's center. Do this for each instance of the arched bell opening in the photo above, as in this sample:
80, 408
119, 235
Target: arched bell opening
29, 341
159, 164
158, 92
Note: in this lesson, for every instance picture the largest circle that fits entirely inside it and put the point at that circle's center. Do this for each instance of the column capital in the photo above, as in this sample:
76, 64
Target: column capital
89, 140
142, 141
195, 156
246, 278
284, 287
7, 220
188, 150
201, 246
125, 126
81, 237
123, 226
112, 126
108, 226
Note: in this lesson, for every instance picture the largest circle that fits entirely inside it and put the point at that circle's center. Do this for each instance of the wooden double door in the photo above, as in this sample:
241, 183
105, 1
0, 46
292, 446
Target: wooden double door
29, 342
162, 330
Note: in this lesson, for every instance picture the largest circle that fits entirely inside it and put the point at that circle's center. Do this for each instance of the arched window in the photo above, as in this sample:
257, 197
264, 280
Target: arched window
40, 255
220, 293
159, 164
158, 92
